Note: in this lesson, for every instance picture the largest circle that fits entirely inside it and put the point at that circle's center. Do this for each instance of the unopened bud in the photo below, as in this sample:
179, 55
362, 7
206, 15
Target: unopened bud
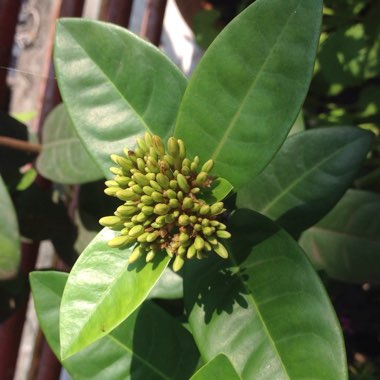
182, 182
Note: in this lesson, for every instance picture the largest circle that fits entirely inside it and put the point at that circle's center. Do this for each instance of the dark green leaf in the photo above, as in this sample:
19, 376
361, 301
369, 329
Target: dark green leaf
218, 368
308, 176
63, 158
264, 307
247, 91
102, 291
346, 243
115, 86
219, 189
169, 286
9, 237
148, 345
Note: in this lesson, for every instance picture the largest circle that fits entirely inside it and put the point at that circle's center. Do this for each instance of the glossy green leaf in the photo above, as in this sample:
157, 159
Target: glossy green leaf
247, 91
346, 243
218, 368
148, 345
63, 158
102, 291
308, 176
169, 286
264, 307
218, 190
115, 86
9, 236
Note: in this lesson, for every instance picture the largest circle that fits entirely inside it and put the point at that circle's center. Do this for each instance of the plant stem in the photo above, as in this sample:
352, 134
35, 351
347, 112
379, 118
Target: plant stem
25, 146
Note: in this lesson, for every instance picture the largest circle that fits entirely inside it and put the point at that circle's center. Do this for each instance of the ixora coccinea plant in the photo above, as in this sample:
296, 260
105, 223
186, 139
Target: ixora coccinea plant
183, 155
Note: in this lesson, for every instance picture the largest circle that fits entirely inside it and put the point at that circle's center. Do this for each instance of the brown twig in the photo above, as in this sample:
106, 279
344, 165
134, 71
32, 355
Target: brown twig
25, 146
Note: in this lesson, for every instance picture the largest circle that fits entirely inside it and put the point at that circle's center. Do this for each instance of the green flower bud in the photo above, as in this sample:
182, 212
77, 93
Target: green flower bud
148, 139
141, 217
161, 209
221, 251
199, 243
141, 164
173, 203
148, 190
173, 184
111, 191
155, 185
216, 208
136, 231
212, 240
204, 210
173, 146
194, 164
147, 200
180, 196
152, 237
127, 195
158, 145
197, 227
207, 166
201, 178
119, 241
152, 165
136, 254
139, 153
184, 220
208, 246
223, 234
187, 203
182, 183
129, 225
182, 149
157, 197
169, 218
207, 231
141, 144
150, 176
127, 210
150, 256
111, 183
183, 237
186, 162
110, 221
137, 189
147, 210
178, 263
162, 180
142, 237
181, 251
116, 171
169, 160
191, 252
171, 194
122, 180
140, 179
195, 190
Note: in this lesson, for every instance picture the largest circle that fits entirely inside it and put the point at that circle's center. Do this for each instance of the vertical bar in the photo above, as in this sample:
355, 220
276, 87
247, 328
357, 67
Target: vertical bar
11, 329
151, 26
9, 10
116, 11
46, 366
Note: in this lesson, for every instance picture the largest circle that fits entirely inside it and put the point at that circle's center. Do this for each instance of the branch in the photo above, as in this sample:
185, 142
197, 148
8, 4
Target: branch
25, 146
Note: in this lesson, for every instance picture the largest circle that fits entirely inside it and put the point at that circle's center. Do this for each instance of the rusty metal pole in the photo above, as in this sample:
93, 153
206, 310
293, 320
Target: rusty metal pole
11, 329
9, 10
46, 366
116, 11
151, 26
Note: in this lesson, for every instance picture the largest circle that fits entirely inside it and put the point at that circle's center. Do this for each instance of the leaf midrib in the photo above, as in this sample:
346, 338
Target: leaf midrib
238, 112
140, 358
292, 185
117, 90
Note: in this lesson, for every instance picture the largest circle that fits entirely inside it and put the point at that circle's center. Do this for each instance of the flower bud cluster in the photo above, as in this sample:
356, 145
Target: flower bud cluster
162, 208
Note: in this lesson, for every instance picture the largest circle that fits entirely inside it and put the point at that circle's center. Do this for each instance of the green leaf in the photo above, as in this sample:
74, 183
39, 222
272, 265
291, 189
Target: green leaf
148, 345
219, 189
102, 291
264, 307
308, 176
115, 86
168, 286
9, 236
247, 91
346, 243
63, 158
218, 368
